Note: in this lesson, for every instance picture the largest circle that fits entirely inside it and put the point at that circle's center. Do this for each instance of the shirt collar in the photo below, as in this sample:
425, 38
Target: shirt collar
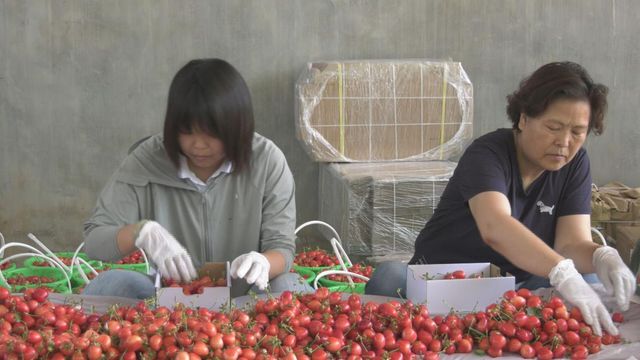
185, 173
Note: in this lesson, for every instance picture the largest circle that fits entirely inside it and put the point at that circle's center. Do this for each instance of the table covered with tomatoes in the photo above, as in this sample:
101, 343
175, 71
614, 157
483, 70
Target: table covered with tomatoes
628, 349
325, 324
275, 311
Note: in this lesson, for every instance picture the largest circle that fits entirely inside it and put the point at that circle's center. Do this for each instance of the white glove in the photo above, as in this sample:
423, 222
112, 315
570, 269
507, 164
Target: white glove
614, 275
170, 257
253, 267
570, 284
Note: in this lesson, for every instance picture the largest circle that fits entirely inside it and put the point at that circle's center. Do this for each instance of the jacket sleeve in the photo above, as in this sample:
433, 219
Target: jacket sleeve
117, 206
278, 209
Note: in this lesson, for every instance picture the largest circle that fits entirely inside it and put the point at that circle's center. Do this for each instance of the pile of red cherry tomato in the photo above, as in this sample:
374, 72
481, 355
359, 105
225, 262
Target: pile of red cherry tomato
315, 258
320, 325
196, 286
44, 263
365, 270
460, 274
133, 258
20, 279
453, 275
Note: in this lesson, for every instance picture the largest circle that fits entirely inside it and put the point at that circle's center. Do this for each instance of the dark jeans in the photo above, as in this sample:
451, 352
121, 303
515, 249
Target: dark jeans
135, 285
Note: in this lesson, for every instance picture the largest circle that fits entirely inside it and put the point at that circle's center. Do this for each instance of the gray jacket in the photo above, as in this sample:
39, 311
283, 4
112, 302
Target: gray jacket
237, 213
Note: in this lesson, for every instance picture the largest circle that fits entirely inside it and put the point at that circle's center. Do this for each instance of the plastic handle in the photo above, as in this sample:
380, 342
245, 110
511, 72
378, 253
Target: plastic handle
146, 260
1, 244
338, 272
336, 243
339, 251
76, 263
12, 244
49, 252
604, 242
318, 222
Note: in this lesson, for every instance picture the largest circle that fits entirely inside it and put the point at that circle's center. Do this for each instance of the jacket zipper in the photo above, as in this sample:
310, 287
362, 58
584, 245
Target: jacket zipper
204, 228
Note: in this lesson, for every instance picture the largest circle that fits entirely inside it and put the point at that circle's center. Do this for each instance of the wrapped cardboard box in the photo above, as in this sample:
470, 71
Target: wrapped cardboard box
627, 239
212, 297
441, 296
368, 110
615, 202
379, 208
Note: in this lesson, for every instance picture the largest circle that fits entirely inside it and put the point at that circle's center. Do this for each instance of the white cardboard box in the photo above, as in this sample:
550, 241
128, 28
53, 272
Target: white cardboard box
212, 297
441, 296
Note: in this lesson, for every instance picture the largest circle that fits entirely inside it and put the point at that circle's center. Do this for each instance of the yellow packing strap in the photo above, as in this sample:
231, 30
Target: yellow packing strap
444, 108
341, 109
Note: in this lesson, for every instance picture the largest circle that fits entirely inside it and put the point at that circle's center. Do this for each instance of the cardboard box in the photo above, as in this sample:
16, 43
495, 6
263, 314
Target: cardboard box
212, 297
615, 202
402, 204
379, 208
441, 296
368, 110
627, 239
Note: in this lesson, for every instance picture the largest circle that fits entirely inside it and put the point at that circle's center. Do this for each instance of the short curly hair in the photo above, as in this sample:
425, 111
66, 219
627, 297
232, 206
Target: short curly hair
555, 81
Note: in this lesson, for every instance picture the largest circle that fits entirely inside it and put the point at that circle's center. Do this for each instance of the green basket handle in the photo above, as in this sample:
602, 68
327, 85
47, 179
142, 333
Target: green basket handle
336, 244
600, 236
1, 244
49, 252
318, 222
338, 272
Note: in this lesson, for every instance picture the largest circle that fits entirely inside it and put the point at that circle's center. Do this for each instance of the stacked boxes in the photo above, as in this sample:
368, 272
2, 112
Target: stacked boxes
379, 208
627, 240
383, 131
615, 208
384, 110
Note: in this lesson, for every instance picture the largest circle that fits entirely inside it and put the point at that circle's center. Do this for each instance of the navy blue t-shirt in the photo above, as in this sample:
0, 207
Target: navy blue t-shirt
490, 164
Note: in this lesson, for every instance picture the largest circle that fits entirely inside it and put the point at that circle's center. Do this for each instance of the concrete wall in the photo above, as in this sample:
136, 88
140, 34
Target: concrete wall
81, 80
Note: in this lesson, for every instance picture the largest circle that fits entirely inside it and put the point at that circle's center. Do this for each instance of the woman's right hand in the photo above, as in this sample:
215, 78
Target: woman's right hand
571, 285
165, 251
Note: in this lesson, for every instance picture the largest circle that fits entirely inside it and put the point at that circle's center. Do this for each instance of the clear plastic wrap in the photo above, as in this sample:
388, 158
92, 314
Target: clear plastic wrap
379, 208
615, 209
380, 110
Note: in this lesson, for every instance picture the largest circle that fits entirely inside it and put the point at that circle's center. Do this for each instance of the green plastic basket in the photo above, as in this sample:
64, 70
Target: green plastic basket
59, 284
10, 266
316, 270
358, 287
28, 262
347, 289
140, 267
307, 274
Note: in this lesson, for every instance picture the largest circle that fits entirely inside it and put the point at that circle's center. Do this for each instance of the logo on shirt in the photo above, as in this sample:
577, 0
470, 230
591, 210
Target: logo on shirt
544, 208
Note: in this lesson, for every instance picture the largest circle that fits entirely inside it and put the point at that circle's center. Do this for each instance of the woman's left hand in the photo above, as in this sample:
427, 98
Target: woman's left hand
614, 275
253, 267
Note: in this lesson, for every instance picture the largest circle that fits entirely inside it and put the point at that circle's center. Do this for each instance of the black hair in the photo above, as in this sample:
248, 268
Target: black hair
211, 95
555, 81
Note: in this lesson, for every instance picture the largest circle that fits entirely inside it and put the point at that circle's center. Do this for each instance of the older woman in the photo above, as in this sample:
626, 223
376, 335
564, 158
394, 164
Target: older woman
520, 198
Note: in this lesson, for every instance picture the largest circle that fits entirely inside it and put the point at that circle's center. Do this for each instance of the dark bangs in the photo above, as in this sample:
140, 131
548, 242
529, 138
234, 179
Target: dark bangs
190, 111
